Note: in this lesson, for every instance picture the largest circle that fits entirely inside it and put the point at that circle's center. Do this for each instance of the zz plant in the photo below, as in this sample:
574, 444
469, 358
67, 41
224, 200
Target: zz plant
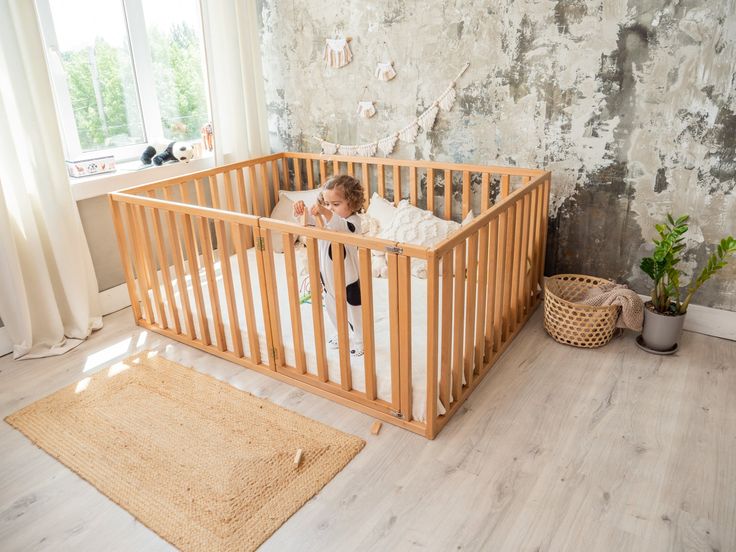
661, 267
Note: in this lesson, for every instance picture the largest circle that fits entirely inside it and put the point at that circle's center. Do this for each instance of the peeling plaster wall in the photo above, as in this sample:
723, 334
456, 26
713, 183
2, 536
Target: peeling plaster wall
631, 105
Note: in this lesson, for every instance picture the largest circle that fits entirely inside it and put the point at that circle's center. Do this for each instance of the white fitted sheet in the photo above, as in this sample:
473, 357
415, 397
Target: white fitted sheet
381, 328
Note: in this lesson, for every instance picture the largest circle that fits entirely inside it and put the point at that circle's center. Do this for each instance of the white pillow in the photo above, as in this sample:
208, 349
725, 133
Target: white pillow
284, 210
381, 210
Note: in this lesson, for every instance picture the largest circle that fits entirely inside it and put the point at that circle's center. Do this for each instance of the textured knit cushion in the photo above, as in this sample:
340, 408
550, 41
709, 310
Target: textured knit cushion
284, 210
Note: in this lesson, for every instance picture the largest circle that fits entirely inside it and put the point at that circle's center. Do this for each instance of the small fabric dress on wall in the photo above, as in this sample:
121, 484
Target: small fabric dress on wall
366, 109
337, 52
385, 71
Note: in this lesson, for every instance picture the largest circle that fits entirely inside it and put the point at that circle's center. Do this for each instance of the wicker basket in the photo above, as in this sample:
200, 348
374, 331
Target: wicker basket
572, 323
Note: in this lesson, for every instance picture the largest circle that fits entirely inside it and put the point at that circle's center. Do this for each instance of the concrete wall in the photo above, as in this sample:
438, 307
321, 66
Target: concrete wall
631, 105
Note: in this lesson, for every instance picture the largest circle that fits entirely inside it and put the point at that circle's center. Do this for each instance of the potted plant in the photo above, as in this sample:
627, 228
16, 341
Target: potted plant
664, 315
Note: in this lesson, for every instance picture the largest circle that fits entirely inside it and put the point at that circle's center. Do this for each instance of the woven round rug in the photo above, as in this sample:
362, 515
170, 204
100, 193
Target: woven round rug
204, 465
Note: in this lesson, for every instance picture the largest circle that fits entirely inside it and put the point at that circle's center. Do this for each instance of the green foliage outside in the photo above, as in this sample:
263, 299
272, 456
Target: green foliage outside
108, 114
661, 267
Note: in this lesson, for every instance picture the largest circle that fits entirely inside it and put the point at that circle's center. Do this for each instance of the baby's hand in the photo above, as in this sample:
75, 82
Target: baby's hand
299, 208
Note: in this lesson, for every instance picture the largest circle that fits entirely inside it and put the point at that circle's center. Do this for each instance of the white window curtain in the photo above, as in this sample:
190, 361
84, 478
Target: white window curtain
232, 45
48, 288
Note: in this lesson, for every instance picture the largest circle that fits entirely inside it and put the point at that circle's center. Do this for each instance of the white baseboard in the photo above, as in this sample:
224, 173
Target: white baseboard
114, 299
6, 346
708, 321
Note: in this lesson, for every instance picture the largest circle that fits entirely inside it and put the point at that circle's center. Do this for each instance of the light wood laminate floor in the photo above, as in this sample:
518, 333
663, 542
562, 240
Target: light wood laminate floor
558, 449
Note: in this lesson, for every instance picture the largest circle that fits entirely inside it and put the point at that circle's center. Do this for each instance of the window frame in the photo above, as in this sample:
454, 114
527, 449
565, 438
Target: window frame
143, 75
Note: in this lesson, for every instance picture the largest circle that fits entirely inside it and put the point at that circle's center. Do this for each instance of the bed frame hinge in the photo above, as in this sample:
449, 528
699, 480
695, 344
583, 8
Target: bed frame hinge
397, 414
260, 244
394, 249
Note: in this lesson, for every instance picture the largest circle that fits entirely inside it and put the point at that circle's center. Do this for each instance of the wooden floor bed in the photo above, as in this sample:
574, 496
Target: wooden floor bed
197, 252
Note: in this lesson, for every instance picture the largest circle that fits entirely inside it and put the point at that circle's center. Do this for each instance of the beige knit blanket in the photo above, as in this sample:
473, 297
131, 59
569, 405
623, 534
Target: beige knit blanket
631, 315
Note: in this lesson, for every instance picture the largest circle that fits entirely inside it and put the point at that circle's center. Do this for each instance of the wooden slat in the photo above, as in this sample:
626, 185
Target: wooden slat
413, 186
343, 335
229, 197
446, 355
264, 190
500, 280
544, 218
516, 263
286, 182
274, 318
366, 305
432, 338
335, 167
523, 256
163, 263
531, 250
538, 245
240, 238
430, 190
470, 293
152, 276
199, 191
351, 170
205, 239
125, 257
243, 204
297, 174
480, 313
505, 186
255, 207
310, 175
227, 281
466, 193
508, 264
214, 193
318, 323
404, 279
484, 191
458, 320
381, 182
397, 184
322, 172
491, 283
276, 186
448, 194
366, 182
292, 283
393, 306
190, 246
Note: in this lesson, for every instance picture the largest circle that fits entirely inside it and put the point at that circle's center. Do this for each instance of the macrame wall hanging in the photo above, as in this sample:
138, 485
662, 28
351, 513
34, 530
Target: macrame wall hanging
385, 71
407, 134
337, 52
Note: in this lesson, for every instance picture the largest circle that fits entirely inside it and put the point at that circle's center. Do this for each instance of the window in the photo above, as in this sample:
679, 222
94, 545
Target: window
125, 72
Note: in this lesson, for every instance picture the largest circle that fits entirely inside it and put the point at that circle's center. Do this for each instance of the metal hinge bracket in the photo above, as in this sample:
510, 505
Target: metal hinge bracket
394, 249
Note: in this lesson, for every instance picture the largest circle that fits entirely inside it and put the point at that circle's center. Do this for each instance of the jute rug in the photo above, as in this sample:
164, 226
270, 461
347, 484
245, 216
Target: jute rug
201, 463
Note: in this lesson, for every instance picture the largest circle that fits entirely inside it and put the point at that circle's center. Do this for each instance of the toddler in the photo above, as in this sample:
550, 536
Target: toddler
341, 200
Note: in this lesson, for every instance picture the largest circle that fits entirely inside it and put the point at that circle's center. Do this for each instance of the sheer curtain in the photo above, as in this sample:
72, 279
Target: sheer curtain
48, 288
232, 45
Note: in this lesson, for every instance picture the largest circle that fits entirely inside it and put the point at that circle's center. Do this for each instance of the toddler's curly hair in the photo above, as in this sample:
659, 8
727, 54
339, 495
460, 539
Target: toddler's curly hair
352, 191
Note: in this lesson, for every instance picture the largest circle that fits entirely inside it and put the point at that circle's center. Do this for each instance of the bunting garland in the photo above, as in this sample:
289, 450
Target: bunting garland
408, 134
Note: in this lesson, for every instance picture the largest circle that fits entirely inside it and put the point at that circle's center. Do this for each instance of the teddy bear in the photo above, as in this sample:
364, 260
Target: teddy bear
161, 152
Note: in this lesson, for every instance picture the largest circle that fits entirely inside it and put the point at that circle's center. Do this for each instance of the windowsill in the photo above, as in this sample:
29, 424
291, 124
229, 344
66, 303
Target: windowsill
132, 174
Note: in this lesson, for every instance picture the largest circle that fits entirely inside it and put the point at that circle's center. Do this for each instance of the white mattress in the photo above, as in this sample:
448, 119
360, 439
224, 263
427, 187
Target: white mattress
381, 328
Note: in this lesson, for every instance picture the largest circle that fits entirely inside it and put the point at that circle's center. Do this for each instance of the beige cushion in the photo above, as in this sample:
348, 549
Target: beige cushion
284, 210
381, 210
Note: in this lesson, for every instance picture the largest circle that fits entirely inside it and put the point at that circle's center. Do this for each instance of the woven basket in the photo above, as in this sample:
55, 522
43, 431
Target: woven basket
572, 323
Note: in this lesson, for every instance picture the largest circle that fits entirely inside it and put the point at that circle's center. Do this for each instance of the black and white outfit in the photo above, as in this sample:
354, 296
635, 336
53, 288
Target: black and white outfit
352, 281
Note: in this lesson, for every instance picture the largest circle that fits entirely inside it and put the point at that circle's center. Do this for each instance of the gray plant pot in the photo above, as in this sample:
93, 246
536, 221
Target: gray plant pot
661, 332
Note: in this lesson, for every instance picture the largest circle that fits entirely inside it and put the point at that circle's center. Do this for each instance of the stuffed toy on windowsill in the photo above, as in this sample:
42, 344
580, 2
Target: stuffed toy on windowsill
163, 152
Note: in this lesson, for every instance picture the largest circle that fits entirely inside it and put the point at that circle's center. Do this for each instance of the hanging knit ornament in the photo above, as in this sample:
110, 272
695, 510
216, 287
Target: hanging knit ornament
409, 133
426, 119
387, 144
329, 148
347, 150
447, 99
366, 109
385, 71
337, 52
